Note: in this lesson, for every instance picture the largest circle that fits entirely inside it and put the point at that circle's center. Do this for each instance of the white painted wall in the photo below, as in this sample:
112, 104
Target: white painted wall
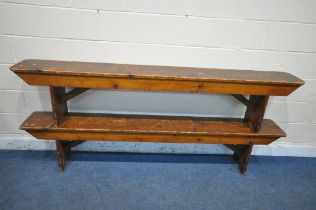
247, 34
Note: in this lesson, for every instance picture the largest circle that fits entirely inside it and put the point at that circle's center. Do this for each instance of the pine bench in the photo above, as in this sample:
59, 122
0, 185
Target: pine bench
70, 129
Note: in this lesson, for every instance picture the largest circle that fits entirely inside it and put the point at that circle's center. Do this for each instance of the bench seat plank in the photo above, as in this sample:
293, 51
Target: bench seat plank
107, 127
155, 78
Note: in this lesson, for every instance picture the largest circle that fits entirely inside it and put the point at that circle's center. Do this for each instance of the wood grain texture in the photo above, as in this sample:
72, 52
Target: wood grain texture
254, 114
59, 106
78, 126
160, 78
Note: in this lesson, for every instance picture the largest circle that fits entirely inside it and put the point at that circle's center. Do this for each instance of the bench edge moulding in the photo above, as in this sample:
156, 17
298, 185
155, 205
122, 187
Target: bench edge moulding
70, 129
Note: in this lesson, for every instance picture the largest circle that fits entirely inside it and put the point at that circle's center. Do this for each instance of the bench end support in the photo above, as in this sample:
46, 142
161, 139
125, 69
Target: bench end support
63, 150
242, 154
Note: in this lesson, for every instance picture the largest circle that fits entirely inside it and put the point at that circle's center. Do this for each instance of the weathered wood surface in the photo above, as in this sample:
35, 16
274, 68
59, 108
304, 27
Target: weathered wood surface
155, 78
78, 126
59, 105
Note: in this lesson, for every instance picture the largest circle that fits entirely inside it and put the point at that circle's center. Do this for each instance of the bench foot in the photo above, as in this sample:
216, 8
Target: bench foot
242, 154
63, 150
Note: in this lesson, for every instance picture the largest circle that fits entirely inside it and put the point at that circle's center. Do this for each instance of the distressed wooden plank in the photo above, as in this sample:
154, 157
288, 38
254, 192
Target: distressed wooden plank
160, 78
157, 85
78, 126
155, 138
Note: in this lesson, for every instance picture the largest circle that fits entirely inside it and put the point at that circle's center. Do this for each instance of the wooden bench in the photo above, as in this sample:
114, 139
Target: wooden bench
71, 129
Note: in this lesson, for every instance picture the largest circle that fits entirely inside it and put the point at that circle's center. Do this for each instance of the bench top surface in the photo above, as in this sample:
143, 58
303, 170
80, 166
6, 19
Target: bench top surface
88, 69
150, 124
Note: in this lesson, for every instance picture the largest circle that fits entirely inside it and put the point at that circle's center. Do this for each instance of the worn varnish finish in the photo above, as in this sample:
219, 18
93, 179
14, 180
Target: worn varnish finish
155, 78
76, 126
157, 85
70, 129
